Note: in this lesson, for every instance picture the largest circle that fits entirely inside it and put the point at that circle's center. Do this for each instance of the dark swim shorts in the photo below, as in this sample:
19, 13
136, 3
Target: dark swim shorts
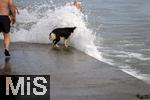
4, 24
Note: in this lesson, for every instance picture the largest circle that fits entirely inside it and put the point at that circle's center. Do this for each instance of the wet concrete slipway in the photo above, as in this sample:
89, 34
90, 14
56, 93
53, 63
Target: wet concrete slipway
74, 75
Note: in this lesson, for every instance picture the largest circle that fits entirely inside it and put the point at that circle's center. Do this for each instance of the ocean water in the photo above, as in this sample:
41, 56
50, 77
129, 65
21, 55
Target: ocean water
124, 34
116, 32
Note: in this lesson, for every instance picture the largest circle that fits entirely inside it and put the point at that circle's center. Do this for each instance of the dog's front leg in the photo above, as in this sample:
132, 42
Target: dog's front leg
55, 41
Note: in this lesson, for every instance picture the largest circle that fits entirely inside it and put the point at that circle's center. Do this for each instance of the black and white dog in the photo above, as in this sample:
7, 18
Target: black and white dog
59, 33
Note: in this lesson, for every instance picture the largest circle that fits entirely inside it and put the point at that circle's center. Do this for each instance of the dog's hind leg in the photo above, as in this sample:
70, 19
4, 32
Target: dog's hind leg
66, 43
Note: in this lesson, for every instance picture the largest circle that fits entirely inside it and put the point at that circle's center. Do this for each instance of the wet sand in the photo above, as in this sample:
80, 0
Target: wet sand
74, 75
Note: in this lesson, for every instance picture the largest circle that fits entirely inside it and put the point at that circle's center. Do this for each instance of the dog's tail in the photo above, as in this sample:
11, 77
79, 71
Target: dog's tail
52, 36
73, 29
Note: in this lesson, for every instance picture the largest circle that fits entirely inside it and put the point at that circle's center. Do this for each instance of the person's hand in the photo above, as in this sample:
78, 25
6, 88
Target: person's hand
13, 20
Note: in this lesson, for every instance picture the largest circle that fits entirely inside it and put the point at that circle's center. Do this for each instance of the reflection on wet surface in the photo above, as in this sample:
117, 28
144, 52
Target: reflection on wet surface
7, 67
7, 70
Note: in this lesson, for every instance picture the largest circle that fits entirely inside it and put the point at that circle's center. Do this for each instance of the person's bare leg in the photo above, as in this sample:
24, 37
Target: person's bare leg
6, 43
6, 40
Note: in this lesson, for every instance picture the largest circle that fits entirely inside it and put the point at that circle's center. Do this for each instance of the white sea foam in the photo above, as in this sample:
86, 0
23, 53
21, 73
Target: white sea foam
125, 54
136, 73
129, 70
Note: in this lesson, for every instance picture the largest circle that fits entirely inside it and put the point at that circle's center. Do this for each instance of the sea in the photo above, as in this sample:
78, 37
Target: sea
116, 32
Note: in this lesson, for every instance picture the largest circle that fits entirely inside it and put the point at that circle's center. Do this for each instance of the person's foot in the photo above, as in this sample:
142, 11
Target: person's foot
7, 54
